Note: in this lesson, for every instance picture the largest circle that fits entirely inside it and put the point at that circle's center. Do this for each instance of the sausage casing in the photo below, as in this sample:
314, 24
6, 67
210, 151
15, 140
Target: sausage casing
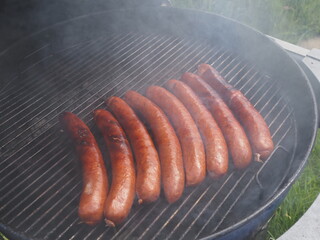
252, 121
148, 180
122, 191
166, 141
215, 144
237, 141
191, 143
95, 181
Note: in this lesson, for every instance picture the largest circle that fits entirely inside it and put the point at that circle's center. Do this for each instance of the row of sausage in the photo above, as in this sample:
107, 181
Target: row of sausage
172, 136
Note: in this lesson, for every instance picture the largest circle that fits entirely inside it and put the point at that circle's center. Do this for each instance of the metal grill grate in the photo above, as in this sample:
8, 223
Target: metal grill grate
40, 178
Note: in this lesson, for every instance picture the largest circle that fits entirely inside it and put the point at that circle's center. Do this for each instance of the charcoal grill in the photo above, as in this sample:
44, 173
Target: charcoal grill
63, 68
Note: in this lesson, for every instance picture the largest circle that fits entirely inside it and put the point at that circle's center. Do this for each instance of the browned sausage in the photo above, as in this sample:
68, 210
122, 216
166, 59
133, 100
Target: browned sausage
215, 144
122, 191
237, 141
254, 124
166, 141
95, 181
191, 143
148, 166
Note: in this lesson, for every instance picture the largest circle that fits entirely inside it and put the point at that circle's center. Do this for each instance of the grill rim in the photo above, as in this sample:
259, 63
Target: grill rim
289, 182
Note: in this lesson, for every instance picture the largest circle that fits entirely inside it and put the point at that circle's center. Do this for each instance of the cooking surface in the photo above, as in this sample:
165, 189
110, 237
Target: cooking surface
40, 172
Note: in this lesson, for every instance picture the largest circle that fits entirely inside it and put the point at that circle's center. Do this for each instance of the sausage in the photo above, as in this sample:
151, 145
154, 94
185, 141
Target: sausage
237, 141
95, 181
122, 191
166, 141
191, 143
215, 144
252, 121
147, 160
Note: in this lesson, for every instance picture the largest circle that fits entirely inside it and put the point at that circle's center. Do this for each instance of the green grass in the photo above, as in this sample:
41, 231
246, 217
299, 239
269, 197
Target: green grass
3, 237
289, 20
300, 197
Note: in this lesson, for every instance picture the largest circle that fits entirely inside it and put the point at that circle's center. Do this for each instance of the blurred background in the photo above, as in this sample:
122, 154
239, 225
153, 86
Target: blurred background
295, 21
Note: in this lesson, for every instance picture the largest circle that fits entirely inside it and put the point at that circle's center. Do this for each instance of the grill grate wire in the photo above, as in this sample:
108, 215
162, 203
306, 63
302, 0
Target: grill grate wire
41, 181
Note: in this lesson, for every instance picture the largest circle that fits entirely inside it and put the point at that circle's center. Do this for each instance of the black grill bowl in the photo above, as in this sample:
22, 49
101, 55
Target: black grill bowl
75, 65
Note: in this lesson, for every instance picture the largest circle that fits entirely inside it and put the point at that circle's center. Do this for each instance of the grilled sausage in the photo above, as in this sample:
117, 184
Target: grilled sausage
122, 191
95, 181
191, 143
147, 160
215, 144
237, 141
172, 173
254, 124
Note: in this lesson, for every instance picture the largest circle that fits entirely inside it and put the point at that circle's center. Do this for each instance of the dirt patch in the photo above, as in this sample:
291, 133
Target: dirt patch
311, 43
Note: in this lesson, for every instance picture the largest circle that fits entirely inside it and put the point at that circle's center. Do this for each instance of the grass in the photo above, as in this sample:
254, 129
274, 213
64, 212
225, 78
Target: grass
289, 20
300, 197
3, 237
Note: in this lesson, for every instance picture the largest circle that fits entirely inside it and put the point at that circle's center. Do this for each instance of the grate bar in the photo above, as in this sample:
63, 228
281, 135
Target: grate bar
244, 188
133, 62
4, 169
69, 227
256, 83
42, 194
233, 63
226, 75
221, 54
89, 235
224, 61
37, 50
127, 222
190, 209
266, 93
33, 78
277, 115
249, 182
72, 84
272, 109
47, 113
59, 224
39, 120
139, 68
280, 126
248, 72
20, 91
51, 205
270, 99
261, 86
159, 80
222, 71
171, 216
249, 81
221, 203
43, 174
160, 73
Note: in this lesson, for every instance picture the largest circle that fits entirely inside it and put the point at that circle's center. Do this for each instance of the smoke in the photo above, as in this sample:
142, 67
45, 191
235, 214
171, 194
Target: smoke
19, 18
